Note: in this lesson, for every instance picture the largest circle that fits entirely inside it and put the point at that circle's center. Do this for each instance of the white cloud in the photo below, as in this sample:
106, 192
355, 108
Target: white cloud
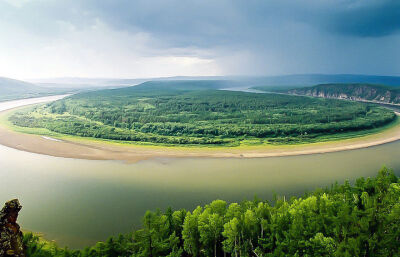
16, 3
97, 51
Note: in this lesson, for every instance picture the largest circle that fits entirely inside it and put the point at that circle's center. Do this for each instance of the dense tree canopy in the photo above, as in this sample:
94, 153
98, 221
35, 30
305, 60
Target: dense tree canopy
196, 113
344, 220
369, 92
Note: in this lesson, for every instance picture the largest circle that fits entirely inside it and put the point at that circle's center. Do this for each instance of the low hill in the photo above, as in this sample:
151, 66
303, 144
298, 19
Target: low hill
166, 87
11, 89
297, 80
179, 85
274, 82
9, 86
358, 91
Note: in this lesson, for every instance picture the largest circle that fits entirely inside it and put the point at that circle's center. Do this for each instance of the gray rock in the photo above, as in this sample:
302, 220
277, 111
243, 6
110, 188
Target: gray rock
11, 243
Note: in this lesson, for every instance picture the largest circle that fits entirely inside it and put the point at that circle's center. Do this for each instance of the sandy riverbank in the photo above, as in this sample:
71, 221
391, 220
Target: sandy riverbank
98, 150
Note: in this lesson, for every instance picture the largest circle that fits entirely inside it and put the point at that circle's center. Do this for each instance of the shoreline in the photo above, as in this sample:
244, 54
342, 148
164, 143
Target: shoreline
85, 148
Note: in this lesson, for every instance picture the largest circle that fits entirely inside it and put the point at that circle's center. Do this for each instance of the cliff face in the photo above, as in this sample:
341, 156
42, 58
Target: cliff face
11, 244
363, 92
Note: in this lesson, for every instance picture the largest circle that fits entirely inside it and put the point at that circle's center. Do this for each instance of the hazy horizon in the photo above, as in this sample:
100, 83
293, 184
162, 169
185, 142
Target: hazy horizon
239, 80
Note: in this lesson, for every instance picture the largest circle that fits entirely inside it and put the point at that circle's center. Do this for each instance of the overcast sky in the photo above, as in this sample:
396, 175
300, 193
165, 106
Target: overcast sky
153, 38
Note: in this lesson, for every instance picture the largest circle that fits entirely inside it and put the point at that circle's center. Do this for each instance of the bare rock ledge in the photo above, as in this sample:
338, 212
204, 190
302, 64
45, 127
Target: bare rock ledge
11, 243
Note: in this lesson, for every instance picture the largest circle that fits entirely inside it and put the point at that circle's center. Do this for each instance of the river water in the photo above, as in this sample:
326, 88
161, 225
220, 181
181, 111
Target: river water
77, 202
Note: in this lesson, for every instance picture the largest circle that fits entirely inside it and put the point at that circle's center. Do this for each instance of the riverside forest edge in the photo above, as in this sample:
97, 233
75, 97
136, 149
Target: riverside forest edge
188, 113
344, 220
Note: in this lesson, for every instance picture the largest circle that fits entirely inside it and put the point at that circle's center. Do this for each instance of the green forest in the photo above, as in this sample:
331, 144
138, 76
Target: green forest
368, 92
358, 219
198, 113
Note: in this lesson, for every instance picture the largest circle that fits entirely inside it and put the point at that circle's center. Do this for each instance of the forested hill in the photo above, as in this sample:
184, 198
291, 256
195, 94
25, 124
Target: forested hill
185, 85
169, 87
315, 79
11, 89
343, 220
368, 92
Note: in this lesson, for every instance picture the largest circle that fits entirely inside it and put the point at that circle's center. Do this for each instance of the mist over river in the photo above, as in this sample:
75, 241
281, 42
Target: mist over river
78, 202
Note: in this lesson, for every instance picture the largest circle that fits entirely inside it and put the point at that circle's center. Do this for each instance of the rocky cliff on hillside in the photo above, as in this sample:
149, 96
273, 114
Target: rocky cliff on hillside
11, 244
363, 92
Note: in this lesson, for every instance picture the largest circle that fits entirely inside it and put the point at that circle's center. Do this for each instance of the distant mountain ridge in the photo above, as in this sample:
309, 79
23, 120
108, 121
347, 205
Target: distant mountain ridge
8, 85
183, 85
15, 89
12, 89
315, 79
273, 82
353, 91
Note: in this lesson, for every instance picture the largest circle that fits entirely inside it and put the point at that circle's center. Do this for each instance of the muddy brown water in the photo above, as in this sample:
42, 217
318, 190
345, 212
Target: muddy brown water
78, 202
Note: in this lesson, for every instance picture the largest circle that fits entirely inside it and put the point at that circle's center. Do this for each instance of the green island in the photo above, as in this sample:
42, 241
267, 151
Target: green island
360, 219
198, 113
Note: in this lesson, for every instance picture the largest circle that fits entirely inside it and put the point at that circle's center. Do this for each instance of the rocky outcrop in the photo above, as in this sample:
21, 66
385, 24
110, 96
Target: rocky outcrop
358, 92
11, 244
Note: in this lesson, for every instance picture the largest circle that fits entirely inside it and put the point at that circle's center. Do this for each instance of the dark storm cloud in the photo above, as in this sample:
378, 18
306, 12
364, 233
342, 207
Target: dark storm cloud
239, 36
206, 22
216, 22
364, 19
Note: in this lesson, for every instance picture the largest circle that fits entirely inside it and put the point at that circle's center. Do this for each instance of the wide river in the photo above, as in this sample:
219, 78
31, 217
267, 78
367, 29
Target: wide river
77, 202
